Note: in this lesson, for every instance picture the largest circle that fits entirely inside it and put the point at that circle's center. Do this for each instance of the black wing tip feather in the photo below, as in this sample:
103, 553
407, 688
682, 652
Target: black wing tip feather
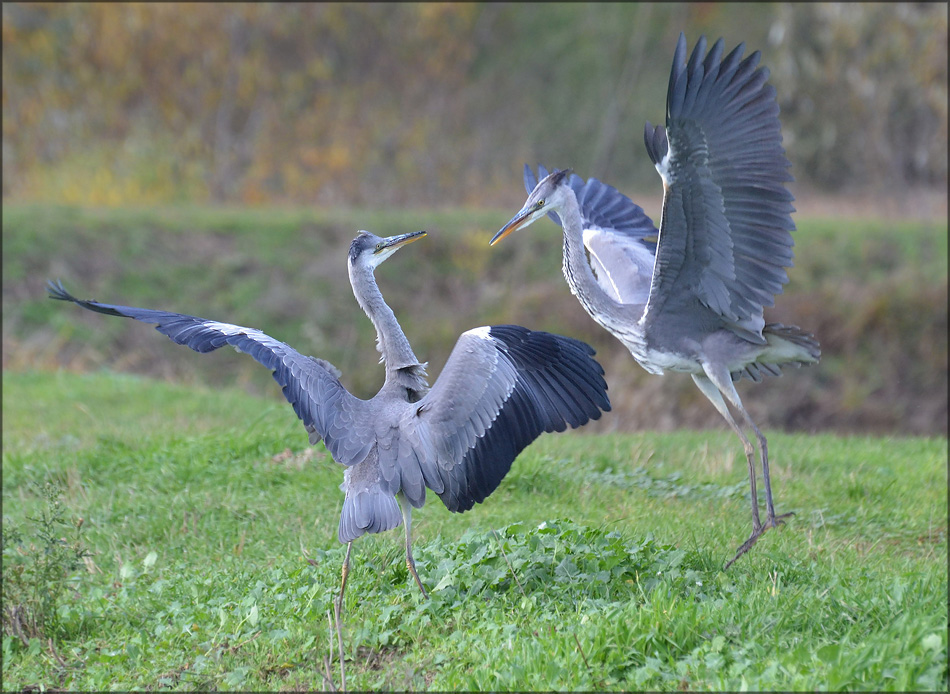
735, 73
560, 384
58, 291
577, 376
530, 181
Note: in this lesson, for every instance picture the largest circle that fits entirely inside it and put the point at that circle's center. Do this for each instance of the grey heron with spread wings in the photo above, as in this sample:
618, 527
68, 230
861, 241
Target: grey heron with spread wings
501, 387
689, 297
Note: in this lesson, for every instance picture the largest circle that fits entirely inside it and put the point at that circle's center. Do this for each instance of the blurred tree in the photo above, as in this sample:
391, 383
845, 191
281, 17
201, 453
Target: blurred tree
297, 101
385, 104
863, 92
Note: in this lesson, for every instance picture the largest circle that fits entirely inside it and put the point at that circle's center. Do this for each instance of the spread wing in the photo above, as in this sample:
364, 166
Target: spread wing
311, 385
725, 230
619, 236
501, 388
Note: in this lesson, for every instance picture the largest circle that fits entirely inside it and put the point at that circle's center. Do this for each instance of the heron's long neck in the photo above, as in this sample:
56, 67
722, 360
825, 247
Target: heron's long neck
402, 366
576, 266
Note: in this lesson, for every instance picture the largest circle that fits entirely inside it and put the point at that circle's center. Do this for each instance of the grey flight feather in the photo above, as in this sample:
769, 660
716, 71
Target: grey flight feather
726, 223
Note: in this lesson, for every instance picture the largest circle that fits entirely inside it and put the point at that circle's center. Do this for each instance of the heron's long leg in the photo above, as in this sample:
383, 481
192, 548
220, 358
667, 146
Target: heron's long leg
345, 571
729, 390
772, 520
711, 391
406, 509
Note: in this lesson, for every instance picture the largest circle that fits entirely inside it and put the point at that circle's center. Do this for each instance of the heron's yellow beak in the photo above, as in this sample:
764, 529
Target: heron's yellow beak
395, 242
516, 222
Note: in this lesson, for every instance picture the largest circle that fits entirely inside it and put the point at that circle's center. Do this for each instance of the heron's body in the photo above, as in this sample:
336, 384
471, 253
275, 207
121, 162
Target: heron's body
501, 387
689, 297
656, 334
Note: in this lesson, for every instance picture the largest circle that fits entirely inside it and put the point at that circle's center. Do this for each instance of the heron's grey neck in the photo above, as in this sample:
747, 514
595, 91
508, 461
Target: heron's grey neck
576, 266
402, 366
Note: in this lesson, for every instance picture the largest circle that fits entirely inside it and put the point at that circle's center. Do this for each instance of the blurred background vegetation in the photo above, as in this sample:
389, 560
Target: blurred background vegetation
372, 104
217, 159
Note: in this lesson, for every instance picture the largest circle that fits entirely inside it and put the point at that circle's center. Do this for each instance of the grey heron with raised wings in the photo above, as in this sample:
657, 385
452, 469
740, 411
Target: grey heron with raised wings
501, 387
689, 297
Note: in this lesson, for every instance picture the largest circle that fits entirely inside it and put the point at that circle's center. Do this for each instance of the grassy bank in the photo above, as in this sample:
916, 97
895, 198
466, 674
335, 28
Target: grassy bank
874, 292
212, 559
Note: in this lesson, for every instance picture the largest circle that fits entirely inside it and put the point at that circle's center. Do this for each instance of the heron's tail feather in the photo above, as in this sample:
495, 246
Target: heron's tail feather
368, 511
778, 335
787, 345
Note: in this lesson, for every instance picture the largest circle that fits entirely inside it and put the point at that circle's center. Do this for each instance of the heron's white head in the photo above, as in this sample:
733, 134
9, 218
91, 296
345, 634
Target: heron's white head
371, 250
547, 196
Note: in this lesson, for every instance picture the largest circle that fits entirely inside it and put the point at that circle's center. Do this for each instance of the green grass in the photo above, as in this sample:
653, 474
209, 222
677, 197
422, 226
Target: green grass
595, 565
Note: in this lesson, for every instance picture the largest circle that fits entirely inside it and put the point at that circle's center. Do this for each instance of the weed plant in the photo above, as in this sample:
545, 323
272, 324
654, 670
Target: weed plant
38, 567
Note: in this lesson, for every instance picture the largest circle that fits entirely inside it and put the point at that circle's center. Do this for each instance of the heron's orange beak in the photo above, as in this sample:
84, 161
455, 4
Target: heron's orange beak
412, 236
401, 240
516, 222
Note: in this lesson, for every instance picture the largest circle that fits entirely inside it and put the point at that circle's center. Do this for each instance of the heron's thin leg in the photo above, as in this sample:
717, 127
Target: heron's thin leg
772, 520
410, 562
723, 382
711, 391
346, 570
339, 611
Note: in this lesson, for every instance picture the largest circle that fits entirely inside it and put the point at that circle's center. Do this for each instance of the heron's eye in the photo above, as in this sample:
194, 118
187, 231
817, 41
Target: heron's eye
379, 247
540, 203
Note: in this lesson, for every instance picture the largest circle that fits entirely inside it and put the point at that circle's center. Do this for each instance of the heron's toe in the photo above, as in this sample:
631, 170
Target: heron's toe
778, 520
747, 545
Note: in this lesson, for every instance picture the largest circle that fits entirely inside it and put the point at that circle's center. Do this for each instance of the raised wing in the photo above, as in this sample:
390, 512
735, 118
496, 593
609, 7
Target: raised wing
619, 236
725, 230
501, 388
311, 385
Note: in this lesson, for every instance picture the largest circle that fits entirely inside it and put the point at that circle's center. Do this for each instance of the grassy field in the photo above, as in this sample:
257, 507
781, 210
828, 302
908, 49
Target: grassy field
210, 529
173, 530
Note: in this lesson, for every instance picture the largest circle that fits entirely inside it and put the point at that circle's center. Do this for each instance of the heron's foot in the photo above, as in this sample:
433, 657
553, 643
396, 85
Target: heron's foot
747, 545
775, 521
